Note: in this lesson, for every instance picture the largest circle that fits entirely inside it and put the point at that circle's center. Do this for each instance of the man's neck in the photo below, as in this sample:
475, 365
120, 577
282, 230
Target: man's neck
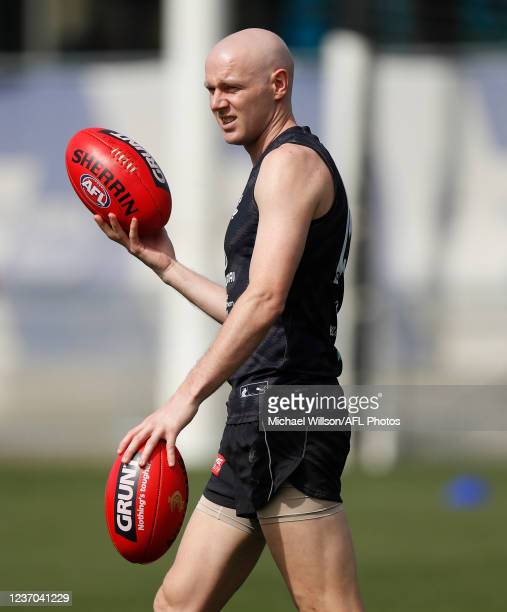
274, 129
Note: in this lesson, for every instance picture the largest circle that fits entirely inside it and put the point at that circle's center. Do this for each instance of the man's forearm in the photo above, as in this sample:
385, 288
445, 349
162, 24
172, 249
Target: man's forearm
245, 327
210, 297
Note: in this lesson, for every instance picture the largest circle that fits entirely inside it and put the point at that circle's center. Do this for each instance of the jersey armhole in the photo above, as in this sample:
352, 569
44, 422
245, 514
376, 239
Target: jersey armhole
336, 180
336, 186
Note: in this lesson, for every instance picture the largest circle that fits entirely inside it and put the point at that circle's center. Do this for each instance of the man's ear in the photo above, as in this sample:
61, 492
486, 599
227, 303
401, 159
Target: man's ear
280, 81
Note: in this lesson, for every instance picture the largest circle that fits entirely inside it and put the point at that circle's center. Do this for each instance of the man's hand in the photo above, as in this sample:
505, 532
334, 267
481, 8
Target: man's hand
163, 424
155, 250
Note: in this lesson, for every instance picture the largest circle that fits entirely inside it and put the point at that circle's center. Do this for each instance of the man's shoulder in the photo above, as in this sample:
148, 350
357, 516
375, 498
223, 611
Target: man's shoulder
293, 163
294, 175
293, 154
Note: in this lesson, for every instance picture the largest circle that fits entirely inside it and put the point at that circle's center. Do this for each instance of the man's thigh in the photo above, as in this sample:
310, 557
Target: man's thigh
213, 560
316, 559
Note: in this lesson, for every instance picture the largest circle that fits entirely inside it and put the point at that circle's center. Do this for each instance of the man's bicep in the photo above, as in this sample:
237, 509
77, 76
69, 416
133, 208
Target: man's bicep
286, 207
276, 256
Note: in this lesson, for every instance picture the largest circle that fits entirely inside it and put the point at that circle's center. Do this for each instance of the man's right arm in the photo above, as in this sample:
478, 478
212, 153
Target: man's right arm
210, 297
157, 252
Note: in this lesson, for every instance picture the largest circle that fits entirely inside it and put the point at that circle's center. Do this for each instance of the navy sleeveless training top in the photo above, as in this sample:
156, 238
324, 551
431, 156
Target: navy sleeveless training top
299, 348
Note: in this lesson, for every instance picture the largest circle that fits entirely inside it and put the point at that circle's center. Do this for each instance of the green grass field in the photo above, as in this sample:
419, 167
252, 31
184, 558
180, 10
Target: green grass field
414, 554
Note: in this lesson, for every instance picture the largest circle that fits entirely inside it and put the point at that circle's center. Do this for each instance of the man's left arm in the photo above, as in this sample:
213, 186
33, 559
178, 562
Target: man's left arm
287, 194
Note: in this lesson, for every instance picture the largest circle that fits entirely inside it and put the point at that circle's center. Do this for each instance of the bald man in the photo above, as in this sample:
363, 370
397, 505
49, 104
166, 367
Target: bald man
286, 247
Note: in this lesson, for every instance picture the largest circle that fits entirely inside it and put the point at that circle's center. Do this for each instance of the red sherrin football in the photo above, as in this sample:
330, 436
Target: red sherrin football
145, 507
111, 173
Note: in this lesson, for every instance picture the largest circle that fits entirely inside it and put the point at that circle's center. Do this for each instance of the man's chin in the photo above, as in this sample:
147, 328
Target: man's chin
233, 137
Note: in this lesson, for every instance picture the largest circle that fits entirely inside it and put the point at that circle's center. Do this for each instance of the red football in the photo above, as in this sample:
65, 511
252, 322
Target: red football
145, 507
111, 173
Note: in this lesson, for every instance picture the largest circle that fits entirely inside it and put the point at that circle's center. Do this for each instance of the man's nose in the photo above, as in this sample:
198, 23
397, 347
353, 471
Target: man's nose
218, 101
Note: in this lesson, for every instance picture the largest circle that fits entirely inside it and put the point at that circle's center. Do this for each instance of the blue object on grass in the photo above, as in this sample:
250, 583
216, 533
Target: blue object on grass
467, 492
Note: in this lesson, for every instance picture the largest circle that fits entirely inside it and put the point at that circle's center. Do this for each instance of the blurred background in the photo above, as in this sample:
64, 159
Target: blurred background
410, 97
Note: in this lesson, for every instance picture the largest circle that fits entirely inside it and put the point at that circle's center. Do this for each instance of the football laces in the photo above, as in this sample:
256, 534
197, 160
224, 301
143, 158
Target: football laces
124, 160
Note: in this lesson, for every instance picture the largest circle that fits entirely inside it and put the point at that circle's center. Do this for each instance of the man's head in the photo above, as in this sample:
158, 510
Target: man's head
249, 77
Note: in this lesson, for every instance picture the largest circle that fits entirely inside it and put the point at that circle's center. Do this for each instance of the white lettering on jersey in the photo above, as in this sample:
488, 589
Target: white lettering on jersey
253, 389
237, 206
342, 263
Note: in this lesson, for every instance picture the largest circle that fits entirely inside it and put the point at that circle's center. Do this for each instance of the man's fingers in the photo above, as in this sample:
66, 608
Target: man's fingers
113, 229
134, 231
135, 246
124, 442
128, 437
104, 226
149, 446
171, 450
118, 230
134, 444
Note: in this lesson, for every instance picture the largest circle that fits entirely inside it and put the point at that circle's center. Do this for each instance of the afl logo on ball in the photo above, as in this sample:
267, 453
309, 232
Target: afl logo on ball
94, 190
176, 502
